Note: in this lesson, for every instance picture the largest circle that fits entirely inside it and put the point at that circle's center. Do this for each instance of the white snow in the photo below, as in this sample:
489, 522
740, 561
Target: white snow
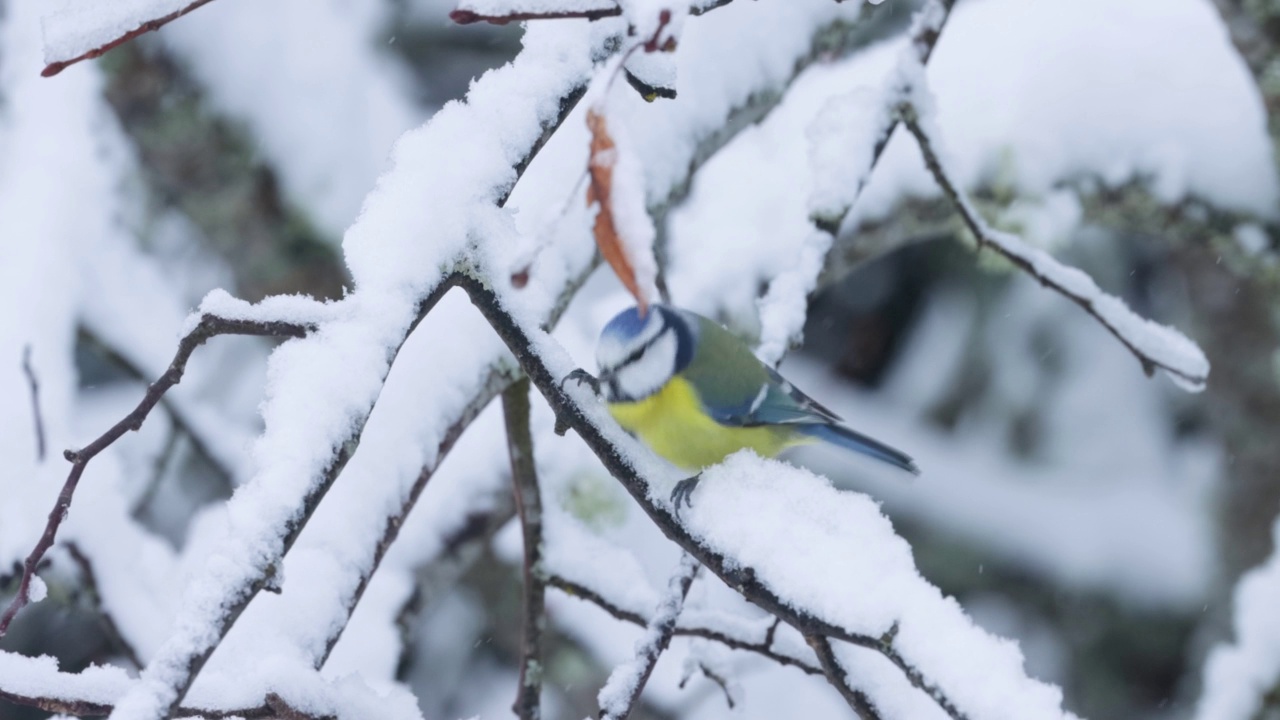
834, 555
74, 27
1238, 675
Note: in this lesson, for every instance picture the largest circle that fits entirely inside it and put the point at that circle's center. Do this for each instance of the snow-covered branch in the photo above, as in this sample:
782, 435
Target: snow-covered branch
619, 695
205, 327
302, 451
718, 545
87, 29
1154, 345
842, 167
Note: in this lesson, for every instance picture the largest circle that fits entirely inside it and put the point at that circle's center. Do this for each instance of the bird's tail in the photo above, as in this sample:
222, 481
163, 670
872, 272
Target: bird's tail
857, 442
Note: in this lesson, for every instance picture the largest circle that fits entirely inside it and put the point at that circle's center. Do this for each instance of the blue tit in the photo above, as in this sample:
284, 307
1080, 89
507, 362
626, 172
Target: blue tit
695, 394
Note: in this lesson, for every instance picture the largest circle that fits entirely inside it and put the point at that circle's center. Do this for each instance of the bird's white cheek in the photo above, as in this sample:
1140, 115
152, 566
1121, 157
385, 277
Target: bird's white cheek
651, 371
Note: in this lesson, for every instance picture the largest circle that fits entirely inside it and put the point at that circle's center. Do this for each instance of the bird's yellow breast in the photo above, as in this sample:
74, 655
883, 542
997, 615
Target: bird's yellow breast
673, 423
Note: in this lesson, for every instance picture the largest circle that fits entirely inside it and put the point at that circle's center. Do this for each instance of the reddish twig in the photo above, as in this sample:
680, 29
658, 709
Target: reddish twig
208, 327
54, 68
34, 384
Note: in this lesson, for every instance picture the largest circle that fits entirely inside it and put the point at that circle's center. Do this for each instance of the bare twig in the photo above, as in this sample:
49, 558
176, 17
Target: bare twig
716, 678
179, 412
467, 17
763, 648
524, 481
54, 68
208, 327
89, 581
1169, 352
839, 679
619, 695
34, 384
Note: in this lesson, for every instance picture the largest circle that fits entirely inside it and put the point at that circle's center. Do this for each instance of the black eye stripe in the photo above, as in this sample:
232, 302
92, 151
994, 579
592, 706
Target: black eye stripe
636, 354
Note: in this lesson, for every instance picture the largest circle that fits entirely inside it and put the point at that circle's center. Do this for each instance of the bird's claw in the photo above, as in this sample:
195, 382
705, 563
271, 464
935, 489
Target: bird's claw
683, 492
582, 377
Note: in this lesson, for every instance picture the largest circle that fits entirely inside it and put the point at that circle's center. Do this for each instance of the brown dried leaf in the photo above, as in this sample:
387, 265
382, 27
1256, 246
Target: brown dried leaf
600, 190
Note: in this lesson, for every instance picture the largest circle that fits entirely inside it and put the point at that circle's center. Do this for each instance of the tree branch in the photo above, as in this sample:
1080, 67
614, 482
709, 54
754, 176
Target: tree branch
763, 648
839, 679
524, 481
469, 12
1153, 345
209, 326
619, 695
89, 581
273, 708
54, 68
34, 384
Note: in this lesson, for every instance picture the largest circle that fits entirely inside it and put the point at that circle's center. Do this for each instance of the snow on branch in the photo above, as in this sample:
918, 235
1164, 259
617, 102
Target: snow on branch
850, 134
1154, 345
246, 320
847, 139
416, 226
619, 695
38, 683
825, 562
85, 29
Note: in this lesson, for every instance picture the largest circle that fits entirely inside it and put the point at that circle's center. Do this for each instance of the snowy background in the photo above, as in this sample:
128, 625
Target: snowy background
1117, 528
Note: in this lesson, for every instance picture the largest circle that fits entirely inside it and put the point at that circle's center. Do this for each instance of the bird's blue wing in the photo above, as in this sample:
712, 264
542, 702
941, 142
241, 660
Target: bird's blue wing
776, 402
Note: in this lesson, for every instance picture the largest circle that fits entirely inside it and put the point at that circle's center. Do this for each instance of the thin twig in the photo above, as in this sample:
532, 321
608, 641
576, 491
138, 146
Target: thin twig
208, 327
178, 412
524, 481
605, 9
89, 581
619, 695
37, 418
1069, 282
839, 678
764, 649
54, 68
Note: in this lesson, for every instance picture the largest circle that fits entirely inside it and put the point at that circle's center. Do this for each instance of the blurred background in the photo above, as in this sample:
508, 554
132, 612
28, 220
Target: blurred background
1099, 517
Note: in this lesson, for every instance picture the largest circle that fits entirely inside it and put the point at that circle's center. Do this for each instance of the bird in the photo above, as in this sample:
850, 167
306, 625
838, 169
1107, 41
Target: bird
695, 393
